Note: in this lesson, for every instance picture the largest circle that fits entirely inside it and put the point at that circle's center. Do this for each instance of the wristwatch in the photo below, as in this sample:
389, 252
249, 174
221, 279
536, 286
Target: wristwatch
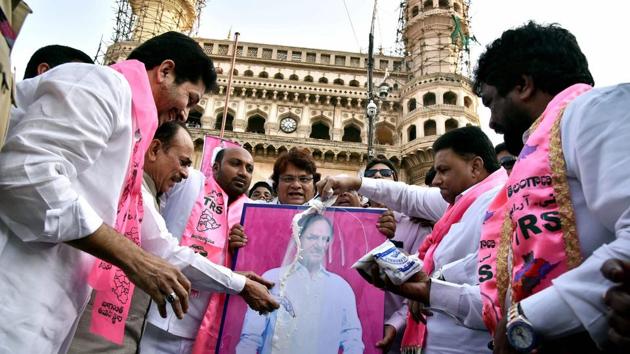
520, 332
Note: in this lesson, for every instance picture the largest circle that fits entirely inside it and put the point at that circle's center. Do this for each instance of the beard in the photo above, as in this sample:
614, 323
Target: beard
517, 124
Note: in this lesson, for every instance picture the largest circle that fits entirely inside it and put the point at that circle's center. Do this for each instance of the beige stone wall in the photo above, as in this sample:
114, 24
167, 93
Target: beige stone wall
329, 87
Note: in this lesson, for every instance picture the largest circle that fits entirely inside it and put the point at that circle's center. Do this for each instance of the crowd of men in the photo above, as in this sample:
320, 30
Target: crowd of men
106, 246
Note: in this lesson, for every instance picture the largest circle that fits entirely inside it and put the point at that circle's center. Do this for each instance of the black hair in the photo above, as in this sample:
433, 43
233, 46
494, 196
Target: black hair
260, 184
500, 147
549, 54
311, 218
219, 156
429, 176
54, 55
166, 132
469, 142
191, 63
385, 162
297, 157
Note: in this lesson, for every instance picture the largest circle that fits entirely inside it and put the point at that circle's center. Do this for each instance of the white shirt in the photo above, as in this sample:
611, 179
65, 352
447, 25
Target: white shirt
61, 174
460, 244
205, 276
318, 315
595, 133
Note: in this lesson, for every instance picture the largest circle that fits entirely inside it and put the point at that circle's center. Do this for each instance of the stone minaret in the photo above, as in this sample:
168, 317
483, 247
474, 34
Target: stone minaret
438, 97
140, 20
154, 17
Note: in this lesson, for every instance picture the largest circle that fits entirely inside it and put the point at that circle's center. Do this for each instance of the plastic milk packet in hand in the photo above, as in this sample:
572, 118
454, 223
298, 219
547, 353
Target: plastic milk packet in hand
391, 263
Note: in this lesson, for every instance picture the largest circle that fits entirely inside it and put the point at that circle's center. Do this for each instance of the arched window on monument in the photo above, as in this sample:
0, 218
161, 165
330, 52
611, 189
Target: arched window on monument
430, 128
320, 130
428, 99
450, 98
248, 73
256, 124
229, 120
194, 119
443, 4
411, 105
351, 134
468, 102
411, 133
451, 124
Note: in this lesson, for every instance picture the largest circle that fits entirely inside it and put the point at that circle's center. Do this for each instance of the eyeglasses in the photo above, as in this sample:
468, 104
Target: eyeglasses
288, 179
386, 172
507, 161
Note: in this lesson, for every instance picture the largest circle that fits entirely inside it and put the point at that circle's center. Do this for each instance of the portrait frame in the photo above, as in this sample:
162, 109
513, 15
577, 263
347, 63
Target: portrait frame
268, 227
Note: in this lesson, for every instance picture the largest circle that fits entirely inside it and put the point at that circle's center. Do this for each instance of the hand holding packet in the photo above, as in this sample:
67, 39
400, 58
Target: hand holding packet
391, 263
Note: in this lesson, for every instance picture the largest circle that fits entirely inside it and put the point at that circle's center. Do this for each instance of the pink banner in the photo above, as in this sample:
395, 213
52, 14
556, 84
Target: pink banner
210, 145
326, 307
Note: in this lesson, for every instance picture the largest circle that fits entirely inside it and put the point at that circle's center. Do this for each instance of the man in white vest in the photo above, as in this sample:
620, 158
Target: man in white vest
196, 209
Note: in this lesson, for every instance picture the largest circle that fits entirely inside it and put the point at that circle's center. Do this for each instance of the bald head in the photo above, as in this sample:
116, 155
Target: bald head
232, 170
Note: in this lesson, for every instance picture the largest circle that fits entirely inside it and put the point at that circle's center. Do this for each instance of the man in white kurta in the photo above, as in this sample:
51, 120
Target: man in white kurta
62, 172
595, 151
456, 254
233, 176
595, 140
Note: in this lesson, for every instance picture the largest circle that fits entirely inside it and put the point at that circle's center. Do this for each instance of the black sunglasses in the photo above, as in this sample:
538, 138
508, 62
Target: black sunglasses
508, 161
386, 172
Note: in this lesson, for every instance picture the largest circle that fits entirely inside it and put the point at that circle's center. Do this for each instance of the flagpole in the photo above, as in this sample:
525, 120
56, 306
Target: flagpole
229, 85
371, 106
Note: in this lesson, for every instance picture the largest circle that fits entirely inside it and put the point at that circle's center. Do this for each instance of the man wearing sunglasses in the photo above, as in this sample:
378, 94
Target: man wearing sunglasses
506, 160
468, 177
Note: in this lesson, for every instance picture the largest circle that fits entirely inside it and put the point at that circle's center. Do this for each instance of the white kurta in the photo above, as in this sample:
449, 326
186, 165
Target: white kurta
460, 244
177, 207
203, 274
595, 133
61, 174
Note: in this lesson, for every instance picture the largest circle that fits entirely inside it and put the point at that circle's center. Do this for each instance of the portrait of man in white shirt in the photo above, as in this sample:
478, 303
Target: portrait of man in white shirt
318, 311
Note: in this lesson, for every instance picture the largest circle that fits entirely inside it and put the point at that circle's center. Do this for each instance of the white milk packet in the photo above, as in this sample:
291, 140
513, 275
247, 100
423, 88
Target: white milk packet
391, 263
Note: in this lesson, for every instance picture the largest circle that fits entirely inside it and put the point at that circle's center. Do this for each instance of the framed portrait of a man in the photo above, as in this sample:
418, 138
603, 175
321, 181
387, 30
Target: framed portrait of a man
325, 306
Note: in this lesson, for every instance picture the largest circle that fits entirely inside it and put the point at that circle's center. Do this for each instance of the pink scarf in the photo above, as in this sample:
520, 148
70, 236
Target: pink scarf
534, 215
206, 232
415, 333
113, 288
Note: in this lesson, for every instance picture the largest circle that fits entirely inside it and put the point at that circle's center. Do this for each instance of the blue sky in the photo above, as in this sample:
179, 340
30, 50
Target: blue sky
600, 26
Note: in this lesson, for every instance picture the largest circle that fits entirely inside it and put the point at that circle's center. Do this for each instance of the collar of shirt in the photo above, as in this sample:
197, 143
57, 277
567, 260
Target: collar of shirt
322, 271
150, 185
463, 193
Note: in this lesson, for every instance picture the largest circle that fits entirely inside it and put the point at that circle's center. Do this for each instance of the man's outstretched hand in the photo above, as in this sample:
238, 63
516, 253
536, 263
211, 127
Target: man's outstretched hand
256, 293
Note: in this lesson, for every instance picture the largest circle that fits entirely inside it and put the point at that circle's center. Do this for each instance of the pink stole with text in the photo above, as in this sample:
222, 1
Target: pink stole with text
112, 287
534, 215
206, 232
415, 332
